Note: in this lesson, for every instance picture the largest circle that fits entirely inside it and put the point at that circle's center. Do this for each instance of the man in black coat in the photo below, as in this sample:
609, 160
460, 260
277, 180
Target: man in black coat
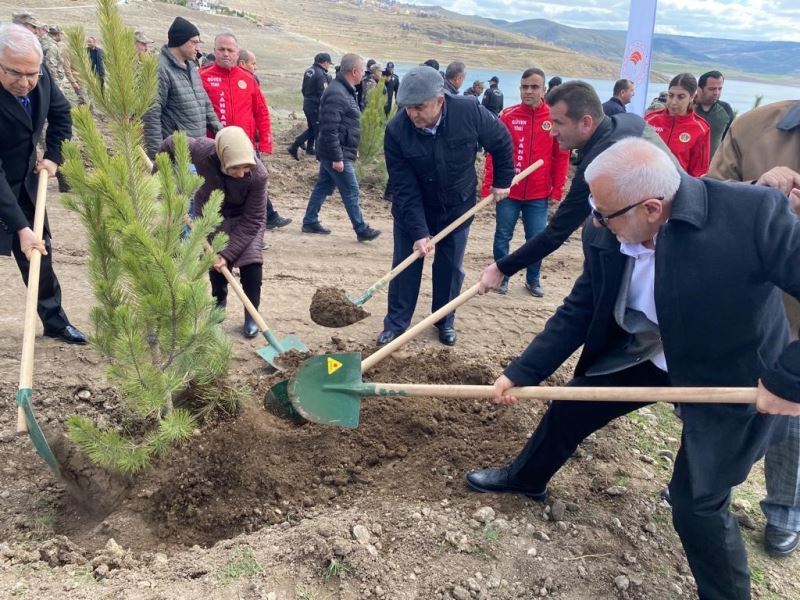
315, 80
430, 149
391, 86
681, 286
28, 100
493, 97
337, 150
623, 93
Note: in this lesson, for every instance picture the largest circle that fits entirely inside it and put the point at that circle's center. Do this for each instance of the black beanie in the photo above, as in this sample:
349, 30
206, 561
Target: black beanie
180, 32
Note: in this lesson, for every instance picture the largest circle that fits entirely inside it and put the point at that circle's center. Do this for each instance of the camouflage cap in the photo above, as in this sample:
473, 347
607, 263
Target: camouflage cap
55, 29
141, 38
26, 18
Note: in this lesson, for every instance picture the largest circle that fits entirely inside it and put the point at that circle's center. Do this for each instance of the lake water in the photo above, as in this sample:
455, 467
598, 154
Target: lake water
741, 95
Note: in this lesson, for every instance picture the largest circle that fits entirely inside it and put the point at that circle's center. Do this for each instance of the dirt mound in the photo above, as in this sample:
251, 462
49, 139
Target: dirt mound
330, 307
258, 469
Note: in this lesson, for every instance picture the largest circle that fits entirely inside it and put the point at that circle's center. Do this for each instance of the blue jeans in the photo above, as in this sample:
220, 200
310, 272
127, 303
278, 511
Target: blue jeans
534, 220
327, 182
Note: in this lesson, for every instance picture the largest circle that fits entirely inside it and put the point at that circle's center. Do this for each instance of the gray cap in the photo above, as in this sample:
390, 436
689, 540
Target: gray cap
26, 18
418, 85
140, 37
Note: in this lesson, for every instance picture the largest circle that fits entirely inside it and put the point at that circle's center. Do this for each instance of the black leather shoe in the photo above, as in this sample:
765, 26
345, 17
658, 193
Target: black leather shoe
498, 482
368, 234
292, 150
779, 542
315, 228
447, 336
387, 336
70, 334
664, 494
278, 221
250, 329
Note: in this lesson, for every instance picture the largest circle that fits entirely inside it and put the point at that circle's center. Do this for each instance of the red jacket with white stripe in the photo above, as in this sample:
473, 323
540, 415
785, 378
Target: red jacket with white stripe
688, 136
530, 133
237, 100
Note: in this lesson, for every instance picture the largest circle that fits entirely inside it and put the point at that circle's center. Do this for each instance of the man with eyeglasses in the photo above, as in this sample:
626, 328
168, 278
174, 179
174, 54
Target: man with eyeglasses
29, 101
681, 286
182, 103
578, 123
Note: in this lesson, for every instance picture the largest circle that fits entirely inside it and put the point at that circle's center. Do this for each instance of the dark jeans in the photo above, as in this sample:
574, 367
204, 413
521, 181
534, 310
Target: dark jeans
709, 533
271, 212
448, 276
310, 134
534, 220
329, 180
250, 276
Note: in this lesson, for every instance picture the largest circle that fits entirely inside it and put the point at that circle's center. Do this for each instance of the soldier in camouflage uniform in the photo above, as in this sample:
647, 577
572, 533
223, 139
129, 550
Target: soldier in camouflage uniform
58, 64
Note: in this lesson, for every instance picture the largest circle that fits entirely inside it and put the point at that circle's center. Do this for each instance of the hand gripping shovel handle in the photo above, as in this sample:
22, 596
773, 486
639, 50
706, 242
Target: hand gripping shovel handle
29, 331
412, 258
712, 395
378, 356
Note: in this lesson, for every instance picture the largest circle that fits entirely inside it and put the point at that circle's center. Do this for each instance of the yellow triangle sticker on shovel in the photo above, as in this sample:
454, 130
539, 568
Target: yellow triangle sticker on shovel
333, 365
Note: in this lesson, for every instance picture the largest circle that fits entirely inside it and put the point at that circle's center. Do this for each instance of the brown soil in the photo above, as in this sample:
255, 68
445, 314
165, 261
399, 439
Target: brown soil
330, 307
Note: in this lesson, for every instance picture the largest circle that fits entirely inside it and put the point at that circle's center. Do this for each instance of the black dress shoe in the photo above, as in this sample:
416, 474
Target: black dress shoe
665, 496
250, 329
70, 334
368, 235
315, 228
498, 481
779, 542
447, 336
278, 221
387, 336
292, 150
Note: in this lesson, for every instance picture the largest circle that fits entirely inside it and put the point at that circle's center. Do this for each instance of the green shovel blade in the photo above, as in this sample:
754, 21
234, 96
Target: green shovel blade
276, 347
35, 432
327, 389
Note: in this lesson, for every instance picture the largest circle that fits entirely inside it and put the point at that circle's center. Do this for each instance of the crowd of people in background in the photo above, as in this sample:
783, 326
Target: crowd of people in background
730, 250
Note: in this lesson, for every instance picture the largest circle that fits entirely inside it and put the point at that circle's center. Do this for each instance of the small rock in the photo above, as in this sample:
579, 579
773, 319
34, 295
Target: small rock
272, 596
372, 550
622, 583
485, 514
5, 494
629, 558
741, 504
616, 523
459, 593
676, 589
650, 527
745, 521
532, 551
582, 571
361, 534
473, 585
541, 535
101, 571
557, 510
646, 458
636, 580
562, 526
667, 455
341, 547
84, 394
616, 490
160, 559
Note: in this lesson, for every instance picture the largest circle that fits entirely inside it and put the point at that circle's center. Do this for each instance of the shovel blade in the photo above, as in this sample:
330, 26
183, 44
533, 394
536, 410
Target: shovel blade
37, 436
327, 389
270, 353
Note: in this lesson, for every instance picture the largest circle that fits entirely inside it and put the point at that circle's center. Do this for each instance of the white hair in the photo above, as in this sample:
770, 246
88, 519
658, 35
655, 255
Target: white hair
638, 169
19, 40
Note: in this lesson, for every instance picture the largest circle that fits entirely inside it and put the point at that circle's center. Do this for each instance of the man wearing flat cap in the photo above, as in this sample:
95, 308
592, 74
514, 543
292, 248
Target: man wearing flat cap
430, 149
182, 103
315, 80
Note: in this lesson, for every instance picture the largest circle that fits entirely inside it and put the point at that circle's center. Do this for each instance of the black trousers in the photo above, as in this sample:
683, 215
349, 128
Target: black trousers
49, 305
709, 533
310, 134
250, 276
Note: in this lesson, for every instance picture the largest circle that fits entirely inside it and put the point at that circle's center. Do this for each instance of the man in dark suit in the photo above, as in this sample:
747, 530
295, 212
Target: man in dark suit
28, 99
681, 286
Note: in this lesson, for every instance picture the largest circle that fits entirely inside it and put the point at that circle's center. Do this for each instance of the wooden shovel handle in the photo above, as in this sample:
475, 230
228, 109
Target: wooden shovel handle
31, 299
378, 356
710, 395
412, 258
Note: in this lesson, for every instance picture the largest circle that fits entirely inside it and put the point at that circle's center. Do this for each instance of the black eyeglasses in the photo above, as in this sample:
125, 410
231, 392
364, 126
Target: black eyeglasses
604, 219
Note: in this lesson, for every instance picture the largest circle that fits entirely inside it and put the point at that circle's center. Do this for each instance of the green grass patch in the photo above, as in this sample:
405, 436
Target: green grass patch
491, 533
244, 564
337, 568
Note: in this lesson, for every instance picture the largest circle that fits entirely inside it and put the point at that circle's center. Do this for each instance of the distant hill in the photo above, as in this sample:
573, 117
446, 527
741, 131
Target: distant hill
768, 58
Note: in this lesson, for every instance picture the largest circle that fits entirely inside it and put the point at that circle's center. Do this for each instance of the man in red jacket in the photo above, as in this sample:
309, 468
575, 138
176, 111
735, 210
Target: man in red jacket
529, 123
237, 100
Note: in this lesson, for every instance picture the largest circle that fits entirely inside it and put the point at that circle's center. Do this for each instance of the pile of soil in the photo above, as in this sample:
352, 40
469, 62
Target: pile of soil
330, 307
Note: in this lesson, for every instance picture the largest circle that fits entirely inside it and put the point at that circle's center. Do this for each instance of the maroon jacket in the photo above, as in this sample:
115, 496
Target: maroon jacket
244, 209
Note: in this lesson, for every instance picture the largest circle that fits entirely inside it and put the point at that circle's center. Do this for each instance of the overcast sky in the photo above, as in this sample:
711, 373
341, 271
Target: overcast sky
733, 19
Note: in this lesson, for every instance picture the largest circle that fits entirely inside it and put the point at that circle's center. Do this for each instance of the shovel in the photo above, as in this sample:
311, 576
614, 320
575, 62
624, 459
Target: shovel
26, 420
275, 347
383, 282
278, 399
328, 390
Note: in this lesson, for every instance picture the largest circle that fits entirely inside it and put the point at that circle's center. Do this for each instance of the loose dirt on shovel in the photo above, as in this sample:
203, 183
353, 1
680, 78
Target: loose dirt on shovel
330, 307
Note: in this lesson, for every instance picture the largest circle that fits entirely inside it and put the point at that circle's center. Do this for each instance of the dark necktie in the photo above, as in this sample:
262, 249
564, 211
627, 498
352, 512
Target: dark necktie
26, 103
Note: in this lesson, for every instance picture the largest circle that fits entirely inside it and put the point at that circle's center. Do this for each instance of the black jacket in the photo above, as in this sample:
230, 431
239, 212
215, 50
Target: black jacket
390, 89
97, 58
574, 209
18, 150
315, 80
433, 176
722, 260
339, 122
493, 99
613, 106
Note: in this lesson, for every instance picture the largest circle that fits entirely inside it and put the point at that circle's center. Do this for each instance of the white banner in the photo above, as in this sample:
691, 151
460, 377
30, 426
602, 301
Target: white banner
638, 49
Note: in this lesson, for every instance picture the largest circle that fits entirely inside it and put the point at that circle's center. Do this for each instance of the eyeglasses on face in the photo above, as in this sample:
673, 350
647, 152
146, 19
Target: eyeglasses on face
18, 75
604, 219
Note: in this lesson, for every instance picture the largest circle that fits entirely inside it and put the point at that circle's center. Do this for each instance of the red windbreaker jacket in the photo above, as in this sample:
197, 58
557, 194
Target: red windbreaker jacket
688, 136
237, 100
530, 134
